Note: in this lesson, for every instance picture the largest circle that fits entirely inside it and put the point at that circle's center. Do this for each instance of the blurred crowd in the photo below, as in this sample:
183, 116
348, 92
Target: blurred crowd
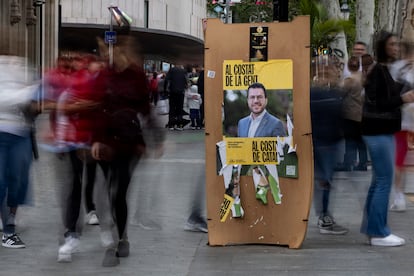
99, 112
104, 113
179, 93
368, 107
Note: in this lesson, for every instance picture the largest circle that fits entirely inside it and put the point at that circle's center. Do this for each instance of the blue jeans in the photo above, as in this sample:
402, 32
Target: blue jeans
195, 117
324, 154
381, 149
15, 161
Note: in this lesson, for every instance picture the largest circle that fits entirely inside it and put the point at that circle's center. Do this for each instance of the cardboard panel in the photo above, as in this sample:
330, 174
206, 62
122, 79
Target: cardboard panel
283, 224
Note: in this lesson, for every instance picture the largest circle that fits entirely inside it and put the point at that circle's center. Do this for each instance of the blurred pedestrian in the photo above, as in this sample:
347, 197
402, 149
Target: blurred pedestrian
153, 87
381, 119
75, 122
17, 110
326, 117
352, 115
200, 86
176, 83
358, 50
403, 71
197, 222
119, 144
354, 146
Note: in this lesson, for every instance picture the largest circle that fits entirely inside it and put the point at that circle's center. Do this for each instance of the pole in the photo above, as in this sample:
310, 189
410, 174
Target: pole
111, 44
227, 9
281, 10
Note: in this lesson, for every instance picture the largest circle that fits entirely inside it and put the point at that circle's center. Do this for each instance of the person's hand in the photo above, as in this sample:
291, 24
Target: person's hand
101, 151
408, 97
85, 105
140, 150
159, 151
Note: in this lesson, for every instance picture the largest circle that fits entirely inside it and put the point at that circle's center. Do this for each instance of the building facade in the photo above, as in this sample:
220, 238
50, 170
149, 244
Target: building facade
167, 30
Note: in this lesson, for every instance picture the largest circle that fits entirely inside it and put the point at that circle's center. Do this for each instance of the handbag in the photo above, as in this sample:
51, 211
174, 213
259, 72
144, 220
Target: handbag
163, 107
125, 127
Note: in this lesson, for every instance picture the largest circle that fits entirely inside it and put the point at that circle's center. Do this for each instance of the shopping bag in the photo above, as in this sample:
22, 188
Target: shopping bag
163, 107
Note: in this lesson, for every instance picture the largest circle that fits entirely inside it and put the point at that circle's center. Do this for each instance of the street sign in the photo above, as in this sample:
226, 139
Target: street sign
110, 37
218, 9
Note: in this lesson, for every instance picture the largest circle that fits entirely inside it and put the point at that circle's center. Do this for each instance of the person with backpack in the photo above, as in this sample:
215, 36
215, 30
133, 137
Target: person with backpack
119, 144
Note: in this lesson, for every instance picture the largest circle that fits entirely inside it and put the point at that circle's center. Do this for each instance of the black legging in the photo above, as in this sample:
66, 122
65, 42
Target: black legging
118, 174
73, 195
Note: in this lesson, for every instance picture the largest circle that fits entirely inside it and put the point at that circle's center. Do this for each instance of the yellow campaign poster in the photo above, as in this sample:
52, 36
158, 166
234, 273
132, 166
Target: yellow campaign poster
251, 151
271, 103
225, 207
273, 74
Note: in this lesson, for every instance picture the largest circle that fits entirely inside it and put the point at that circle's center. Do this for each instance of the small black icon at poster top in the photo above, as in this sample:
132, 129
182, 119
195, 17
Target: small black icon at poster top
258, 43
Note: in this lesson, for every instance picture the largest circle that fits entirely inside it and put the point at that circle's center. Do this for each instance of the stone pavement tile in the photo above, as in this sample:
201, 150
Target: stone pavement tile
164, 189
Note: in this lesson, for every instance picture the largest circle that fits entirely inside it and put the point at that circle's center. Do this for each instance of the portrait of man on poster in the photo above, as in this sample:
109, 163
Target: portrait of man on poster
259, 123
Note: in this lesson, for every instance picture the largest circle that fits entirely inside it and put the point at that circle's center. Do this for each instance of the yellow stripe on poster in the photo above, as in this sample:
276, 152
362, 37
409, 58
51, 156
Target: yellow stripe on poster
250, 151
273, 74
225, 207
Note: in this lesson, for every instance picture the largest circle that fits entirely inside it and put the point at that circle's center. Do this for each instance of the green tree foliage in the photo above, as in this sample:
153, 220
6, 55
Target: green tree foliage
324, 30
247, 10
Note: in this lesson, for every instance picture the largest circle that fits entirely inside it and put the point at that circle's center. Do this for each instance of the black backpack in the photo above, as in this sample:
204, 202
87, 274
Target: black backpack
124, 126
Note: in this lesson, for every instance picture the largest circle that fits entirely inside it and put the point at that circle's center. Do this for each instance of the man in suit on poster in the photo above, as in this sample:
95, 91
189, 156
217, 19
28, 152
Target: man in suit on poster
259, 123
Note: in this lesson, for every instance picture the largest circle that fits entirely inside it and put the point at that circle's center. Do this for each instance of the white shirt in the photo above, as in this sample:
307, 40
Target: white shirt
254, 123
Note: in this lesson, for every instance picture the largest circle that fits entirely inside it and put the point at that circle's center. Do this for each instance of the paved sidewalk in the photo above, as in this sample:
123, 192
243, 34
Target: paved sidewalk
162, 191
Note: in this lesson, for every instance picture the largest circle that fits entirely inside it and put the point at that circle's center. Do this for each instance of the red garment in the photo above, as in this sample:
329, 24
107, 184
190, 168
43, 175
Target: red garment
401, 148
127, 90
85, 86
56, 81
153, 85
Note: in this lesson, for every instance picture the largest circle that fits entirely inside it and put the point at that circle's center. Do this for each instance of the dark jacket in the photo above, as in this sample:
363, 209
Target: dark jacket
176, 80
127, 95
381, 110
326, 114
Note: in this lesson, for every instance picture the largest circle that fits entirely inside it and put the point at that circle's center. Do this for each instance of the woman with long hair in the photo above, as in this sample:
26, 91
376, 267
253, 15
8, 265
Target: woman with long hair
381, 118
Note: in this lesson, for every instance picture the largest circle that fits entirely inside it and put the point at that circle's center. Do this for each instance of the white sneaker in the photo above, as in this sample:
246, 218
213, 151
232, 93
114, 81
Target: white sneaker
390, 240
106, 238
65, 251
398, 205
92, 218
